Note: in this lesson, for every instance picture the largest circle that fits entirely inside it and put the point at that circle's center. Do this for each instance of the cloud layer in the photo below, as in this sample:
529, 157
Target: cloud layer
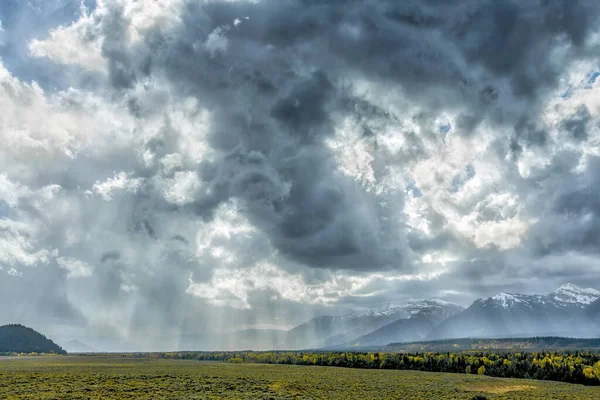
258, 162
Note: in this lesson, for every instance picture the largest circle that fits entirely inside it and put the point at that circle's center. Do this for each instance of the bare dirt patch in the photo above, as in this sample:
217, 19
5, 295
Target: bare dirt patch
500, 389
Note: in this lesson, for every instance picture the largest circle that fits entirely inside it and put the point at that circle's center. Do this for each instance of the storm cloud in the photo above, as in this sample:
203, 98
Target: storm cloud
260, 162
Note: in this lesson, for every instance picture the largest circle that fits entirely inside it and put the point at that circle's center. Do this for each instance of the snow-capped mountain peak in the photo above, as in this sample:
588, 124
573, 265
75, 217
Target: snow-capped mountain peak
510, 300
334, 330
444, 303
505, 297
402, 311
387, 310
569, 293
506, 300
418, 304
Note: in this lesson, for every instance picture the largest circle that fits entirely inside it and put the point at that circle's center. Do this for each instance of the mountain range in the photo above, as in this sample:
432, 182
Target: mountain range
416, 327
332, 331
569, 311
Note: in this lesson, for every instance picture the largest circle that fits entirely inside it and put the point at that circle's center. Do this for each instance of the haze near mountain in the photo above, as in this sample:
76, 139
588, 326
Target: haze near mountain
570, 311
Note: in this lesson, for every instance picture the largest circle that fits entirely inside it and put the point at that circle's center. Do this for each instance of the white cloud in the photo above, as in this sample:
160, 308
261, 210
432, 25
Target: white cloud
30, 124
353, 152
227, 236
121, 181
144, 15
76, 268
231, 287
217, 41
78, 44
10, 192
505, 233
128, 288
18, 248
181, 188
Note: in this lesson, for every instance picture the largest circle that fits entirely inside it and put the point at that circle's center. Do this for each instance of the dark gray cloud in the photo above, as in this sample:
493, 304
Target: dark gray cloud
266, 105
47, 304
576, 125
571, 222
527, 134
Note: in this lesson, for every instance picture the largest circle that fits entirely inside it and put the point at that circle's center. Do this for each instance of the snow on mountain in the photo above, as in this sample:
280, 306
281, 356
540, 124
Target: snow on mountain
389, 310
567, 295
334, 330
424, 315
434, 307
510, 300
574, 294
560, 312
506, 314
506, 300
403, 311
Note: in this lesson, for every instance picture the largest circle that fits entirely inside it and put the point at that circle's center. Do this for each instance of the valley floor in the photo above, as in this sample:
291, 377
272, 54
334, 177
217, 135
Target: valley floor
111, 377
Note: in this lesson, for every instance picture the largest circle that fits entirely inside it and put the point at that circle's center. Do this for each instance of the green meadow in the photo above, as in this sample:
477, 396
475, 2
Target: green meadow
118, 377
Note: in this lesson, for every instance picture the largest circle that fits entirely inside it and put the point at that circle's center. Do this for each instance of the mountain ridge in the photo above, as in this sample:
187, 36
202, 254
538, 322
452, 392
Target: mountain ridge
506, 314
568, 311
338, 330
501, 315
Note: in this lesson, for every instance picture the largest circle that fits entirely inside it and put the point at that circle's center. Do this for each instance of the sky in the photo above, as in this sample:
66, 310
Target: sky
184, 166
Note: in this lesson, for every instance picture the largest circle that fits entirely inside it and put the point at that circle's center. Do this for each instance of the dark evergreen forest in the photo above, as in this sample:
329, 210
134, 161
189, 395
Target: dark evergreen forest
17, 338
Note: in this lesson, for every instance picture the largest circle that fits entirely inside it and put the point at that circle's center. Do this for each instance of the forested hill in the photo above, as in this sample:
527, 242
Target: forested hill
531, 344
21, 339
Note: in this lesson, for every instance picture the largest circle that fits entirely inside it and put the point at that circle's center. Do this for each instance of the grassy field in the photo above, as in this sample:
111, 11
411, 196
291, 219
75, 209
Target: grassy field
106, 377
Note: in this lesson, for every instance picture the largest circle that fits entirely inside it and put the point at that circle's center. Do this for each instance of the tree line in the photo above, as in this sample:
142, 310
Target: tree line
582, 367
